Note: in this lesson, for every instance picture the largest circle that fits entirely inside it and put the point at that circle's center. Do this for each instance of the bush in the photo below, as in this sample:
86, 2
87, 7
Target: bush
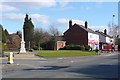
61, 49
71, 47
82, 48
35, 47
87, 47
76, 47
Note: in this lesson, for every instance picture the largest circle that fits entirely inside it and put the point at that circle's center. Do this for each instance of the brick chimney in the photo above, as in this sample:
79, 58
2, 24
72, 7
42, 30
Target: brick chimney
105, 31
70, 23
86, 24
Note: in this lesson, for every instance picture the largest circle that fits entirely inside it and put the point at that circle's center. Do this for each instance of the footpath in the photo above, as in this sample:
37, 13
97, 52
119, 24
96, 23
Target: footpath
108, 53
32, 55
29, 55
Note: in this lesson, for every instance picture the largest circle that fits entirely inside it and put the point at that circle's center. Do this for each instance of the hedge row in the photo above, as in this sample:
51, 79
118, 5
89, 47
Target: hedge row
76, 47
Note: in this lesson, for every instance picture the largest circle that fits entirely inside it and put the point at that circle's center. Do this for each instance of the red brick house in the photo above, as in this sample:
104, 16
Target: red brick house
81, 35
13, 41
12, 47
74, 35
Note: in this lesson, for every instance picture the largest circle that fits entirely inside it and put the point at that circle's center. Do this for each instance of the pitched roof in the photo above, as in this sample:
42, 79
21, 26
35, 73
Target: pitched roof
83, 27
104, 34
61, 37
86, 29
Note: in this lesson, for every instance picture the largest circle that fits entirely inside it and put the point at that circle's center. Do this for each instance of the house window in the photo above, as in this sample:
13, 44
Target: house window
96, 37
90, 36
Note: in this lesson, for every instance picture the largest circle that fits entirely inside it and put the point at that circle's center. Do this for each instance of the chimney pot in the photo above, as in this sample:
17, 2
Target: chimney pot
70, 23
105, 31
86, 24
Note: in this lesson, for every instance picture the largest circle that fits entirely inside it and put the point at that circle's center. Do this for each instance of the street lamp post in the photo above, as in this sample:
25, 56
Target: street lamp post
113, 27
113, 20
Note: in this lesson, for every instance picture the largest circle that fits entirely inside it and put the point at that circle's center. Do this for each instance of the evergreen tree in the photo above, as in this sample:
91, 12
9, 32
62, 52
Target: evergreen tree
1, 33
6, 32
3, 36
28, 31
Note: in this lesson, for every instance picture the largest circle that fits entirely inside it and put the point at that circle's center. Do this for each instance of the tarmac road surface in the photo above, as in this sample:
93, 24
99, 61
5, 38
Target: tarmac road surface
101, 66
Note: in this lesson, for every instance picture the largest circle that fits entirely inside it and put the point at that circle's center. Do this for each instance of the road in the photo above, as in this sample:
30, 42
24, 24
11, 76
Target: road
100, 66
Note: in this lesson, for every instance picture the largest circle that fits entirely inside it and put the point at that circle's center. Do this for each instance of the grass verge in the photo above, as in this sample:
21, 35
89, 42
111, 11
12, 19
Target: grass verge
64, 53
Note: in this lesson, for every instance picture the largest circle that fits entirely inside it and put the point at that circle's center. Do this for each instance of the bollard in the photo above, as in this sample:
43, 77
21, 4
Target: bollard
10, 58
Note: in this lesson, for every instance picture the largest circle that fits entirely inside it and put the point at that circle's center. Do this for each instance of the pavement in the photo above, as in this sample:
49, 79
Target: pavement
100, 66
32, 55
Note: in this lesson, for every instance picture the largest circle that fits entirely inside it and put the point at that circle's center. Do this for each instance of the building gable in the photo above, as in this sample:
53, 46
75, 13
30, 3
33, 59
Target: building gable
74, 35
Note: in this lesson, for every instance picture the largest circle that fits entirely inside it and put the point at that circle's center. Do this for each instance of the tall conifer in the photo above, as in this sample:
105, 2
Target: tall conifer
28, 31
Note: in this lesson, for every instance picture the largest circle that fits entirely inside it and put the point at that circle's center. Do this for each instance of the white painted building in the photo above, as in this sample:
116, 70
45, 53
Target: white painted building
104, 39
93, 40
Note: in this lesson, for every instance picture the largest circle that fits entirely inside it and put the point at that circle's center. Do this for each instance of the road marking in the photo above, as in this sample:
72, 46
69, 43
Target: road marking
59, 58
17, 64
109, 54
43, 58
105, 64
71, 61
42, 61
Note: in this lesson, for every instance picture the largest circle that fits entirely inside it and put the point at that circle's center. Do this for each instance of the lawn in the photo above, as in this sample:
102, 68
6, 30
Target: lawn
0, 44
64, 53
0, 48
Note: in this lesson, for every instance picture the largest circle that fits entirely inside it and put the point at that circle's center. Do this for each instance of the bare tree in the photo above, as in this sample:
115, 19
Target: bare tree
40, 36
55, 35
110, 29
54, 31
114, 30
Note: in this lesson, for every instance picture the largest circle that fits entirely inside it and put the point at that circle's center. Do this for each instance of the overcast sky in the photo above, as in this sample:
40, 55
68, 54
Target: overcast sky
52, 12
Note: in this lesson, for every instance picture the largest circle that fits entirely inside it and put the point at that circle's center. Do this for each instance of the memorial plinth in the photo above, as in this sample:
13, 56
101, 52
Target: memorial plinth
22, 49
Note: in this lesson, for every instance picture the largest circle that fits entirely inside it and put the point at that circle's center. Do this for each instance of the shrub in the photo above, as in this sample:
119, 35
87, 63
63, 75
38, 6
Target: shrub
82, 48
87, 47
76, 47
5, 47
61, 49
71, 47
67, 47
35, 47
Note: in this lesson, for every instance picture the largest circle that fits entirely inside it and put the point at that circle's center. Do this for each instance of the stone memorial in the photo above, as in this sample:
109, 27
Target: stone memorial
22, 49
